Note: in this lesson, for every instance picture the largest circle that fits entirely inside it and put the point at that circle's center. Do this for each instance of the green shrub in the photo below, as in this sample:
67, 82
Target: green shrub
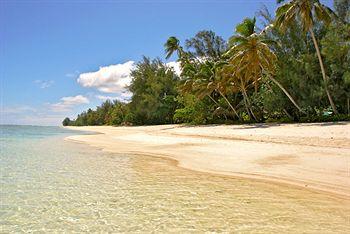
325, 118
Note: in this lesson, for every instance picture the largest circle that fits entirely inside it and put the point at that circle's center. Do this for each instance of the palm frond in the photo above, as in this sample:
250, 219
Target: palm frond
280, 1
237, 39
323, 13
282, 16
247, 27
171, 45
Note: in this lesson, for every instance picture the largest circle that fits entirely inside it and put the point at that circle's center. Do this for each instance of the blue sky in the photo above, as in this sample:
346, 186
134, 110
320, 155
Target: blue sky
52, 51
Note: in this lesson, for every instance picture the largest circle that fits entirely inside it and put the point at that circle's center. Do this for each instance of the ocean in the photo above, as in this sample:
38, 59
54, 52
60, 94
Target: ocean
52, 185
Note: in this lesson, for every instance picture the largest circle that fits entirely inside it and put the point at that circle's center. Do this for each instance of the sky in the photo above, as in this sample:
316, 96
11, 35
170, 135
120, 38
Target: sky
58, 58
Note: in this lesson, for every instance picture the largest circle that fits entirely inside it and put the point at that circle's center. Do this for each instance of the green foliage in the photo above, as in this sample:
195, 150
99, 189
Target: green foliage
154, 90
66, 122
193, 111
206, 44
336, 52
117, 114
171, 46
247, 27
109, 113
343, 9
324, 118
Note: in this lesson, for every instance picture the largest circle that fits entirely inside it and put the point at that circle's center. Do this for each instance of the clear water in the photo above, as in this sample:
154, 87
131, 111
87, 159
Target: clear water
51, 185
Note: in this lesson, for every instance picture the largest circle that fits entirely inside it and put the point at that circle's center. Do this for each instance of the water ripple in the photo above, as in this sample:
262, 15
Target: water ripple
48, 185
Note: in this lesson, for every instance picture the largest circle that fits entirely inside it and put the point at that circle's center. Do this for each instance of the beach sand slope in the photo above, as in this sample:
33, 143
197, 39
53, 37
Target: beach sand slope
313, 156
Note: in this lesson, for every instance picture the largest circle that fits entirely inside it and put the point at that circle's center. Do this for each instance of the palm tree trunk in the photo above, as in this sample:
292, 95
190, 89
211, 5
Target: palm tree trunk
211, 98
245, 96
323, 71
285, 92
233, 109
247, 108
214, 100
288, 115
284, 110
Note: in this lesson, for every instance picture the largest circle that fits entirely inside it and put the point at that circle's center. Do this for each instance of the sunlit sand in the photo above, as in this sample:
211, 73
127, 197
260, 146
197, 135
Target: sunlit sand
312, 156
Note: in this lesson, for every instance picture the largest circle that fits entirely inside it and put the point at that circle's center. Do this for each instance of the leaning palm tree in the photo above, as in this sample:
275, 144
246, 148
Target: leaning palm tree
237, 82
202, 80
251, 58
306, 11
211, 81
245, 51
190, 70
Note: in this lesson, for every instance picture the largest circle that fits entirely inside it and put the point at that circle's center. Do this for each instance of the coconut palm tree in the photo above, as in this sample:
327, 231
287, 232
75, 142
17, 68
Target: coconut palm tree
237, 82
244, 49
172, 45
197, 76
210, 81
202, 80
306, 11
250, 56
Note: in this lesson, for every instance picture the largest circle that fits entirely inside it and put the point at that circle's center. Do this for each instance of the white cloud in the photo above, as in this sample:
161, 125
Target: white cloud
176, 66
41, 119
73, 74
66, 103
126, 95
29, 115
114, 78
105, 98
43, 84
110, 79
16, 109
123, 97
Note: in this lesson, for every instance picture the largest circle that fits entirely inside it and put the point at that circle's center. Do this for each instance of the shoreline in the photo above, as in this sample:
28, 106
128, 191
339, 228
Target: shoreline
307, 156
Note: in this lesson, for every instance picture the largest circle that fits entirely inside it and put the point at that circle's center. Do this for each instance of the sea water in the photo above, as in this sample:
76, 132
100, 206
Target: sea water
52, 185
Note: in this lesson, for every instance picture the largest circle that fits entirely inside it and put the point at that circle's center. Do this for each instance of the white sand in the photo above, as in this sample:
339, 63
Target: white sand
314, 156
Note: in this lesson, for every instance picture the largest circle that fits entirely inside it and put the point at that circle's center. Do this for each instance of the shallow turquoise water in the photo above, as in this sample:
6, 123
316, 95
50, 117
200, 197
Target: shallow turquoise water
51, 185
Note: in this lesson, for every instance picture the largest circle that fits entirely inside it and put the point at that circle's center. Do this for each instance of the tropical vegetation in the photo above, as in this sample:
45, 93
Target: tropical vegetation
294, 67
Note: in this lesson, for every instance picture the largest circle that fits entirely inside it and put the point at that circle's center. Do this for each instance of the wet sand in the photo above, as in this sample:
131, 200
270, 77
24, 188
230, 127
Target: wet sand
311, 156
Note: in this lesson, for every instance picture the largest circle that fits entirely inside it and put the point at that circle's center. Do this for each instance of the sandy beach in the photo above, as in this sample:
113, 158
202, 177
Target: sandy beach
312, 156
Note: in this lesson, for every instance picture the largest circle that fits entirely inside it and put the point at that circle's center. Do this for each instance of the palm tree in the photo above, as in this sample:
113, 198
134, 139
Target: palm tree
202, 79
251, 57
210, 77
172, 45
306, 11
244, 49
195, 73
238, 82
